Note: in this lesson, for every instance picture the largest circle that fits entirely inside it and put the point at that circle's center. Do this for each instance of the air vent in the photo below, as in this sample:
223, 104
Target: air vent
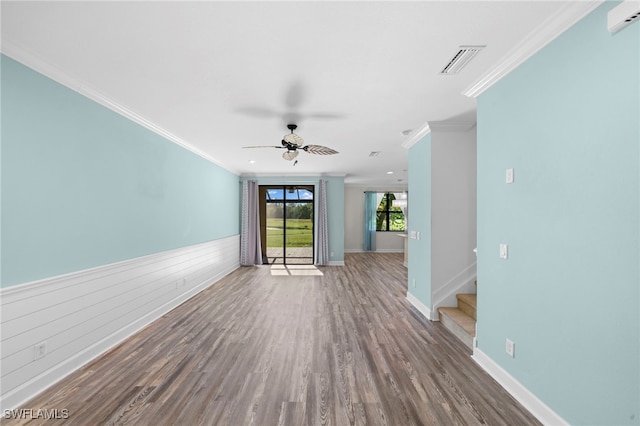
622, 15
374, 153
460, 59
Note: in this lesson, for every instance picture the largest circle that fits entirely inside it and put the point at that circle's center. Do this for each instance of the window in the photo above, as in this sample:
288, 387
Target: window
388, 217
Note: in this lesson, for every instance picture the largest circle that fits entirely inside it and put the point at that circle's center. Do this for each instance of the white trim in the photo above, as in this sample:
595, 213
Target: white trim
416, 135
445, 295
422, 308
546, 32
622, 15
54, 73
452, 126
83, 314
531, 402
248, 175
377, 188
389, 250
336, 263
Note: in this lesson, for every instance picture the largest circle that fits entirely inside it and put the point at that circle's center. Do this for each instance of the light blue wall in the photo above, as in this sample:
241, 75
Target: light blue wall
83, 186
335, 205
567, 121
420, 220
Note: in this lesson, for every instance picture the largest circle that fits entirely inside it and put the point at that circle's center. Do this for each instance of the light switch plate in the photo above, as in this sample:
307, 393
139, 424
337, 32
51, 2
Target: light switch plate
510, 348
504, 251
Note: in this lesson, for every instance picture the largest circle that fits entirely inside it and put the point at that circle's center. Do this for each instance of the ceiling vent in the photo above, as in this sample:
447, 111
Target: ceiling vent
460, 59
374, 153
623, 14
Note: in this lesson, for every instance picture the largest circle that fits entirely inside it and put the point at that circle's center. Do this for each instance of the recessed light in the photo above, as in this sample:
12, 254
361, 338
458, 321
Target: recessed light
389, 173
252, 161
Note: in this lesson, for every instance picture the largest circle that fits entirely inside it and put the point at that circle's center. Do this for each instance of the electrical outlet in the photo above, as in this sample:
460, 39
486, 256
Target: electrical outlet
39, 351
511, 348
413, 283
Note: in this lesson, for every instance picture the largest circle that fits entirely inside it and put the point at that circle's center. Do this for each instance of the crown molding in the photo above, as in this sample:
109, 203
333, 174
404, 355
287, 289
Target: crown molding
41, 66
416, 135
293, 176
452, 126
542, 35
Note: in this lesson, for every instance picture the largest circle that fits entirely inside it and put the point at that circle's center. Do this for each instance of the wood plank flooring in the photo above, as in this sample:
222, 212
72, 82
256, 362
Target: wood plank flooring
340, 348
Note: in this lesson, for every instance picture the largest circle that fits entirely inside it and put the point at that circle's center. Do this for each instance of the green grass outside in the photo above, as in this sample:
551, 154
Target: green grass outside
299, 232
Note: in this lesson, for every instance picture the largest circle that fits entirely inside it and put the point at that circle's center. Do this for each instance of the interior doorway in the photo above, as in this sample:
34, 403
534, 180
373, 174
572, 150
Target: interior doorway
286, 224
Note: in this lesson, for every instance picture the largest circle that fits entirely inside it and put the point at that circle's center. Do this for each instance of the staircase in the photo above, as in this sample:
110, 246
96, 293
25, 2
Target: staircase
461, 321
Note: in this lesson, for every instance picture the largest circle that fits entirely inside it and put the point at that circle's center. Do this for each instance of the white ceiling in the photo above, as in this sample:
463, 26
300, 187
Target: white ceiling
217, 76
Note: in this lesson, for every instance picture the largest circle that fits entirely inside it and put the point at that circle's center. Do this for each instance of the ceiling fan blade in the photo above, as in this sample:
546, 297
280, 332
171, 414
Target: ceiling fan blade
294, 97
258, 112
263, 146
325, 115
319, 149
294, 139
290, 155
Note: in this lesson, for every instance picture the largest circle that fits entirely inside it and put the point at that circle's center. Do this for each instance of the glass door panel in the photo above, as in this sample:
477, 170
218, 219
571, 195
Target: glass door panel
275, 232
299, 232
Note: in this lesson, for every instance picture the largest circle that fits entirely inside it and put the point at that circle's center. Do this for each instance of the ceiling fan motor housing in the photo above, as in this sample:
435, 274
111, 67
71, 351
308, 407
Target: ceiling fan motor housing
290, 146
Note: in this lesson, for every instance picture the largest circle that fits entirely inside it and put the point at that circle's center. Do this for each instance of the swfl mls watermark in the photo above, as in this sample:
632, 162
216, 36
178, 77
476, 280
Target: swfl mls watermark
36, 414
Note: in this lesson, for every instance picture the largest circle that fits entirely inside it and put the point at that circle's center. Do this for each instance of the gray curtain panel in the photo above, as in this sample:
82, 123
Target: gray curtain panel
250, 247
322, 240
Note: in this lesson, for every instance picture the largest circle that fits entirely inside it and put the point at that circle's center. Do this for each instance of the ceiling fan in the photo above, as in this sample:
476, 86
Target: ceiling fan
294, 98
292, 143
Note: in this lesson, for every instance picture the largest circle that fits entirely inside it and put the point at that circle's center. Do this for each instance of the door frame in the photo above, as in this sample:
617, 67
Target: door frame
263, 201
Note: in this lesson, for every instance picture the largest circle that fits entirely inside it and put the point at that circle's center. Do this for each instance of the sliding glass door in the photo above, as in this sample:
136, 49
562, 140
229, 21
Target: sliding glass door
287, 224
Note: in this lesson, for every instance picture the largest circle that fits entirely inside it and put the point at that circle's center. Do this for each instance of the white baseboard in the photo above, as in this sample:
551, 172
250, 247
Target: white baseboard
81, 315
525, 397
424, 310
336, 263
391, 250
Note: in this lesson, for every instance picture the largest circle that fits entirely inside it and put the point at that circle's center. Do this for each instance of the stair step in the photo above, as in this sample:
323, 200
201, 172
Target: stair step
459, 323
467, 303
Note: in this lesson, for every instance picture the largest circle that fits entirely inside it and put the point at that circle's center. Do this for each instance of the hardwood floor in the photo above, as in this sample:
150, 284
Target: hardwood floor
340, 348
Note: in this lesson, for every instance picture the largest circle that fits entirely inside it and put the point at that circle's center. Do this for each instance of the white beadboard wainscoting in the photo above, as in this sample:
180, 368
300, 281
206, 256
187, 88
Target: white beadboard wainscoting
80, 315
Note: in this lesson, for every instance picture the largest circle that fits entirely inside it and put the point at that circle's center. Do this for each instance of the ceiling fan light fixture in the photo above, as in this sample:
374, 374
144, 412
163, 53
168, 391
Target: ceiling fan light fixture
290, 155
